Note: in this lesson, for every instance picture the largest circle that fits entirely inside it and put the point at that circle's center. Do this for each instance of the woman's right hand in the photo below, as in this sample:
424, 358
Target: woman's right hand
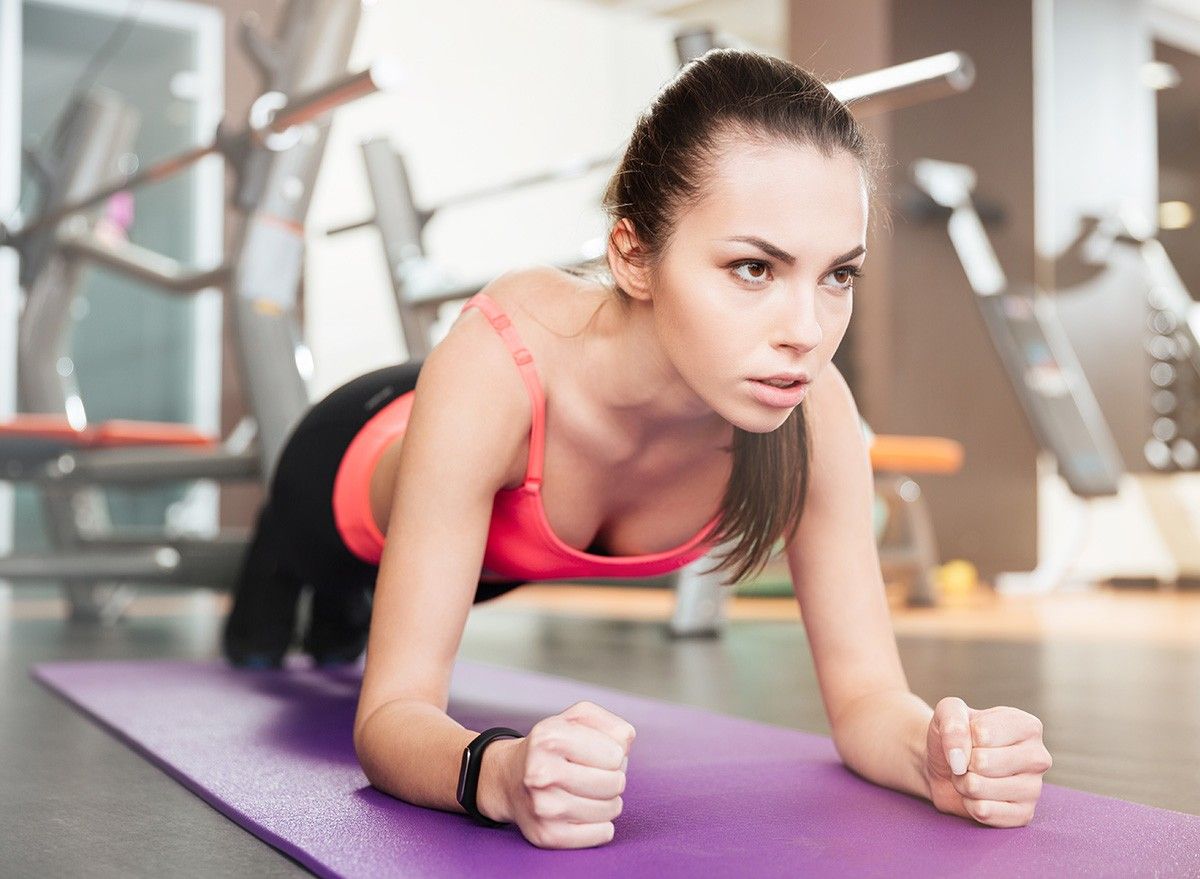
565, 779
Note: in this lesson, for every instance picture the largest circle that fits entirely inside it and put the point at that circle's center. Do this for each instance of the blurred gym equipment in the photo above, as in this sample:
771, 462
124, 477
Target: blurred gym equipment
1054, 392
275, 155
419, 285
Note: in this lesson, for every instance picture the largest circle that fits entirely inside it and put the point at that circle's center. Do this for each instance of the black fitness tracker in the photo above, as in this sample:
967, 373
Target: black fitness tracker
468, 773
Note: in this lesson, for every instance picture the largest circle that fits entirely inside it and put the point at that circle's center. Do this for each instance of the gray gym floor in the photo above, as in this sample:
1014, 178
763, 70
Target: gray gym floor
1121, 719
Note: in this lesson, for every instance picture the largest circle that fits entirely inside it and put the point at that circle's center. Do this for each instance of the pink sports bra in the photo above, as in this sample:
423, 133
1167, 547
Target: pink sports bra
520, 544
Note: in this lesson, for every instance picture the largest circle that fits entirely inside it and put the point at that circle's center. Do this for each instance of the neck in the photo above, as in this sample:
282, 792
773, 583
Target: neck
638, 384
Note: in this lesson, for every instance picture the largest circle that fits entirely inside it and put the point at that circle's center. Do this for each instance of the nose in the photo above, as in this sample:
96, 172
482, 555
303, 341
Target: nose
796, 324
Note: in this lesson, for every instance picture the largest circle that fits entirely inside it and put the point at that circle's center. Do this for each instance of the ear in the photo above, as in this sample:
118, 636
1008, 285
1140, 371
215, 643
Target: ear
626, 260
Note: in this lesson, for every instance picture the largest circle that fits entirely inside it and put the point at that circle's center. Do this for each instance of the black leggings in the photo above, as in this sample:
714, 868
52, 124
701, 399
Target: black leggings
296, 542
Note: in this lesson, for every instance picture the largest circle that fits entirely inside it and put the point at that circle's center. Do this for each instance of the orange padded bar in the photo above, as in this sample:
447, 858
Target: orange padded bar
916, 454
150, 433
107, 434
41, 427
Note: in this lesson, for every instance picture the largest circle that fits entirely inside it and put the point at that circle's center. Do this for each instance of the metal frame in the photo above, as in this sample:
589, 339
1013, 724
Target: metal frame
917, 554
401, 222
198, 510
1035, 351
10, 157
1041, 365
307, 61
1065, 415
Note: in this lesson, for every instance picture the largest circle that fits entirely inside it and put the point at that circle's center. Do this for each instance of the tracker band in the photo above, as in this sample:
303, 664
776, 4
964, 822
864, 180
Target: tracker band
468, 773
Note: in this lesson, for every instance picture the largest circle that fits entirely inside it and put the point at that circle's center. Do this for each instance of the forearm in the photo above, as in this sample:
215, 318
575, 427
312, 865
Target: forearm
882, 738
413, 751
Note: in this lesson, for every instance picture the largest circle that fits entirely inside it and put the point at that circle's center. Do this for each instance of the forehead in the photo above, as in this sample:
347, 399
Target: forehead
786, 193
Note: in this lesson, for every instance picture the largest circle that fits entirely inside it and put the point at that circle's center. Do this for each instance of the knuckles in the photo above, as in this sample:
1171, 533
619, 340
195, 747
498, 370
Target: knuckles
581, 709
1039, 762
1046, 762
968, 785
545, 807
544, 737
545, 837
624, 731
950, 706
538, 778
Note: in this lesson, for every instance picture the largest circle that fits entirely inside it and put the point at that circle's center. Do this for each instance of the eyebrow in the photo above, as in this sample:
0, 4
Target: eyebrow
783, 256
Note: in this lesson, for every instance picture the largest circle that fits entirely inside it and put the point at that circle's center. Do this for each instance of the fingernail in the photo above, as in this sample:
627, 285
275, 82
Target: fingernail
624, 764
958, 761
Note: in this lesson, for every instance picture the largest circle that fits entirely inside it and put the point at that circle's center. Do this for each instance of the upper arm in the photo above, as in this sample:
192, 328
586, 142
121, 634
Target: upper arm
834, 561
470, 419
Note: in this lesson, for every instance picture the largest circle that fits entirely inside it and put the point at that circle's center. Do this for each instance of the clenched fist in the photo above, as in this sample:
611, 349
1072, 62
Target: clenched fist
565, 779
985, 764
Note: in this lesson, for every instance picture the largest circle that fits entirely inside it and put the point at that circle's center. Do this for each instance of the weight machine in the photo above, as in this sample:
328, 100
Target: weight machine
275, 156
1050, 383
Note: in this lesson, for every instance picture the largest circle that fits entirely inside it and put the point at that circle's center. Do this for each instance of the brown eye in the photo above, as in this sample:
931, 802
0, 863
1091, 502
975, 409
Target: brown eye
757, 271
844, 277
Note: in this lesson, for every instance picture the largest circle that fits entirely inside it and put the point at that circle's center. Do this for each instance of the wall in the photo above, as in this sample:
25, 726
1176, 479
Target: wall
526, 86
836, 39
922, 362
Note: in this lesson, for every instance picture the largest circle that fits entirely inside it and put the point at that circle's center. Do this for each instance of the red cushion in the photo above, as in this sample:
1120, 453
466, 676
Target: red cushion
106, 434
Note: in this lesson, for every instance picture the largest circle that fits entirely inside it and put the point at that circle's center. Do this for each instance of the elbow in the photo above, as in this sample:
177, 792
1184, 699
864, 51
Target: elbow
361, 721
847, 756
839, 746
375, 736
362, 744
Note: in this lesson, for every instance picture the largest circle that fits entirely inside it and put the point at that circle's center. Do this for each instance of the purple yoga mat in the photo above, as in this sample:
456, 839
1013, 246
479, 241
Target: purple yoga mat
707, 794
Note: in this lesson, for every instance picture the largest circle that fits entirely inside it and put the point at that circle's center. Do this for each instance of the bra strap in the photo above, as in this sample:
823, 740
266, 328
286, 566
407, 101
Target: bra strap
524, 360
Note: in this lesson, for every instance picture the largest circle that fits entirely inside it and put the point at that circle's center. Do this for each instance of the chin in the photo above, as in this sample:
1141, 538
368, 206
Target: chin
761, 420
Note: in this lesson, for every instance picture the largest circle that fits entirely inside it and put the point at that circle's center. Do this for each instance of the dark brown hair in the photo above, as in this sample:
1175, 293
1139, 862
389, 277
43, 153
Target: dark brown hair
723, 95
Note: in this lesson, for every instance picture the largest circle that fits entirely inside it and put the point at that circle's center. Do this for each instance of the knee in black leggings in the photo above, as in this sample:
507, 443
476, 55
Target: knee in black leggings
262, 620
338, 623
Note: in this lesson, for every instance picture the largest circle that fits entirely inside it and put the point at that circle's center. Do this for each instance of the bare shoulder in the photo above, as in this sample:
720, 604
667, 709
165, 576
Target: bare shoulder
830, 396
520, 285
839, 448
538, 300
472, 371
548, 308
542, 298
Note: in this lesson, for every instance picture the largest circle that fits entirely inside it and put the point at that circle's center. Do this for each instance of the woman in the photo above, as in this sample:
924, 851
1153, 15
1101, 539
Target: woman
568, 427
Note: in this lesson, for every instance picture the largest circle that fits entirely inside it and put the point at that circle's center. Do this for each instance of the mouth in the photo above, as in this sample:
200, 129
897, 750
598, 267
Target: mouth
779, 392
784, 381
778, 384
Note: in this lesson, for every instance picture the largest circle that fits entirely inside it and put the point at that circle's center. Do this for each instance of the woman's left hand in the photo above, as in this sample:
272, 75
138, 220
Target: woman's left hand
985, 764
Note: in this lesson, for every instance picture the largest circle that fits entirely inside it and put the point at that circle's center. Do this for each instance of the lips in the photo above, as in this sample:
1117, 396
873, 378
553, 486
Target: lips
779, 398
783, 378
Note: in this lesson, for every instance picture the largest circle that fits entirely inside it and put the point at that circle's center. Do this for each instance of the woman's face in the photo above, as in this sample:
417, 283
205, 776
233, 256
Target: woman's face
757, 280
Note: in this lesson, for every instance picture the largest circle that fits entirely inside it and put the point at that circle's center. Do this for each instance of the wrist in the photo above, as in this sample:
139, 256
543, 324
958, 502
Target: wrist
492, 795
920, 751
882, 737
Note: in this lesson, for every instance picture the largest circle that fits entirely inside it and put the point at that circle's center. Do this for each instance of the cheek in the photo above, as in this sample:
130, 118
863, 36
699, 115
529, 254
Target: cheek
708, 341
835, 320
